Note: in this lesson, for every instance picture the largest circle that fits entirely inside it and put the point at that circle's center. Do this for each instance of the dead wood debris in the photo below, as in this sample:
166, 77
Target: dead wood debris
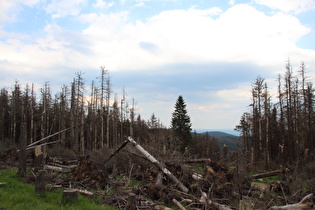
90, 174
305, 203
164, 183
9, 155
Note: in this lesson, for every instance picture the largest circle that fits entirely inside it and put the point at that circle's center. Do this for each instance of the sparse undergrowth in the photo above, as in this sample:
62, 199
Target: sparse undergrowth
16, 194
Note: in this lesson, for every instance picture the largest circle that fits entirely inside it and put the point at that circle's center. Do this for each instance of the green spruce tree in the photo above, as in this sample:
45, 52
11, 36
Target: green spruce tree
181, 125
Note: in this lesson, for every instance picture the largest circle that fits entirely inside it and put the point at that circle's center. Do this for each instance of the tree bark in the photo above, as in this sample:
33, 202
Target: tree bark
22, 154
180, 206
40, 183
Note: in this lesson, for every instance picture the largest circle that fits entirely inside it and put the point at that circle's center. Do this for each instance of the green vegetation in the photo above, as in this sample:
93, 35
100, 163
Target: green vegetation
267, 180
224, 138
16, 194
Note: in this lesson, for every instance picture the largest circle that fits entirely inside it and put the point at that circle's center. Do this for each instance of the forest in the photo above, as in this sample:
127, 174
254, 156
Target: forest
92, 139
94, 119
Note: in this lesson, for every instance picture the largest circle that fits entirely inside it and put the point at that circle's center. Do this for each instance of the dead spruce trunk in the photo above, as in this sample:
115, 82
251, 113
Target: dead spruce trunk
152, 159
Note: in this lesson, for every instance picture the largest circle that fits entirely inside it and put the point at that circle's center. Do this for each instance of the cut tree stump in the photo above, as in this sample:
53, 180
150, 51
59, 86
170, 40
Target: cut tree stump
40, 182
38, 159
2, 184
132, 202
70, 196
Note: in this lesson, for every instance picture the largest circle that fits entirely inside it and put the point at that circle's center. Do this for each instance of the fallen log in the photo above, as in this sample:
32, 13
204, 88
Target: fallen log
178, 204
85, 192
269, 173
152, 159
199, 160
305, 203
66, 167
43, 144
58, 169
52, 135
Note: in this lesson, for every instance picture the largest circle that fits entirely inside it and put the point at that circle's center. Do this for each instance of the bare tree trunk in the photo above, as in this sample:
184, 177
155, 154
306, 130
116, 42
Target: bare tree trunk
22, 155
152, 159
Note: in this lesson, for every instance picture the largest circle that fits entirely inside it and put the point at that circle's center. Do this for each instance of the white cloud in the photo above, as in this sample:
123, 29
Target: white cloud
241, 93
140, 3
240, 34
231, 2
103, 4
295, 6
206, 12
9, 9
62, 8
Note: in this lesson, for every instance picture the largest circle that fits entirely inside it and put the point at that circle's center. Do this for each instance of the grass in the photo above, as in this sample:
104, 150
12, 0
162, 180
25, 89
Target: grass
16, 194
267, 180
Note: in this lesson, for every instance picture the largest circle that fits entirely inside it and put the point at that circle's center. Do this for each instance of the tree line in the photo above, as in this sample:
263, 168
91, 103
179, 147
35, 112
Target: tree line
282, 131
97, 118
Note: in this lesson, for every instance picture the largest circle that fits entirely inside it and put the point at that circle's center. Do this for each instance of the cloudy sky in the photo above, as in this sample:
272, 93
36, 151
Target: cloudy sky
208, 51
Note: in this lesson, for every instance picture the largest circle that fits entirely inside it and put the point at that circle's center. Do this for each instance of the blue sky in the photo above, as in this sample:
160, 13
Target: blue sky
208, 51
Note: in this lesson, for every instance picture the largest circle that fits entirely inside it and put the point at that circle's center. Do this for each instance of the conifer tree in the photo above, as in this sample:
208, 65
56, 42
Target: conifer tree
181, 125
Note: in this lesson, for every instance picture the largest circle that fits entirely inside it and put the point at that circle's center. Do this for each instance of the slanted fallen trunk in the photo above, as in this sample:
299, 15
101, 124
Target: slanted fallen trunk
152, 159
43, 144
116, 151
305, 203
32, 145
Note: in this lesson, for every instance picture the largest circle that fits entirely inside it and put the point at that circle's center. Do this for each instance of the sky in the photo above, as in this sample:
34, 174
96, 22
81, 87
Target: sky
208, 51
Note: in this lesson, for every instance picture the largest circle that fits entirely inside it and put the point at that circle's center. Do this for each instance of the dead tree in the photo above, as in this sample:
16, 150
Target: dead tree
152, 159
22, 154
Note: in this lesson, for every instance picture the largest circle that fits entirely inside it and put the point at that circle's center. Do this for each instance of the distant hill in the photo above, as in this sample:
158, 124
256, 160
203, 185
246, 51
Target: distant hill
224, 138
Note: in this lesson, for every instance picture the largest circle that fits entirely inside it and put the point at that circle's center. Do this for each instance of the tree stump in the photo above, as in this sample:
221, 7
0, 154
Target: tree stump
70, 196
40, 183
38, 159
132, 202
